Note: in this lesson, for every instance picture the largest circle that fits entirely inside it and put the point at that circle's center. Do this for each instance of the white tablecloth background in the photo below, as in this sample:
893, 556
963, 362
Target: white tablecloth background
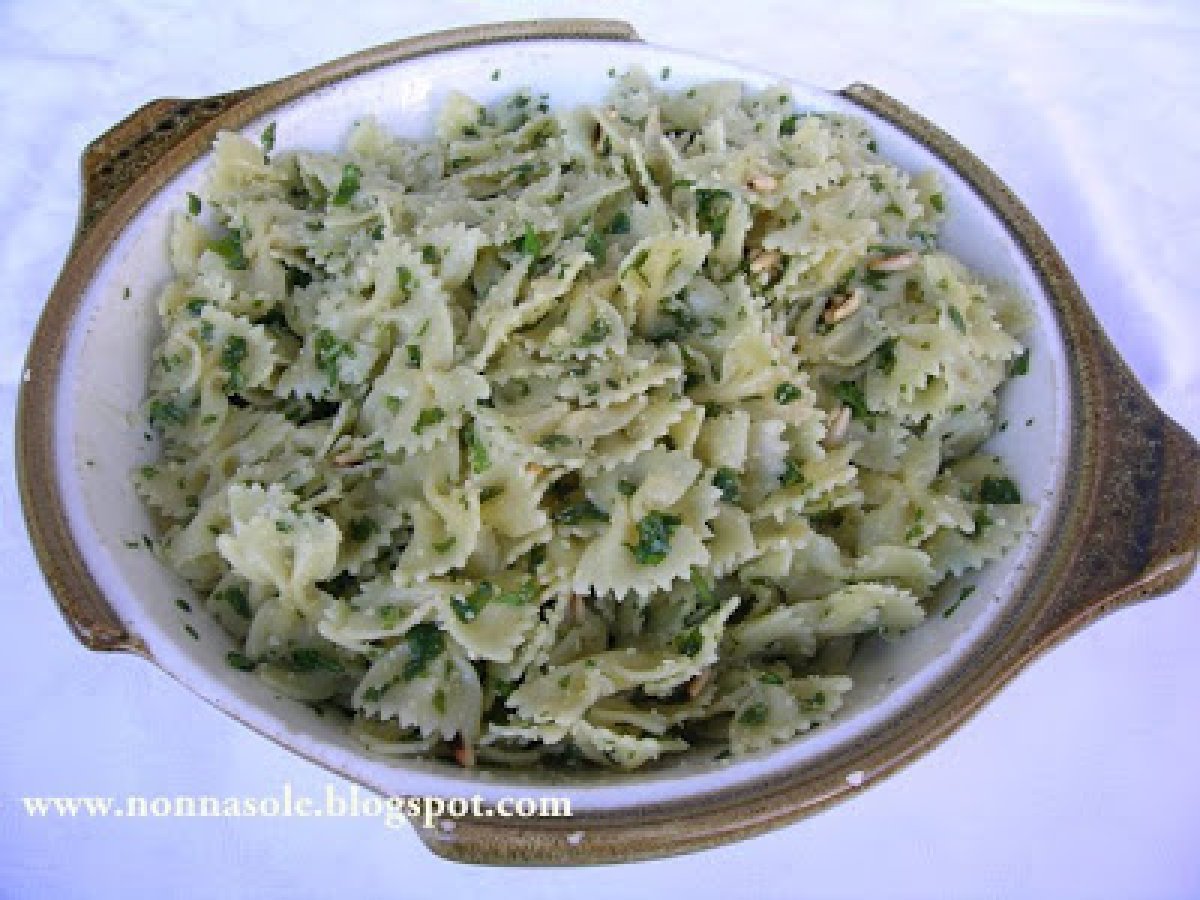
1079, 780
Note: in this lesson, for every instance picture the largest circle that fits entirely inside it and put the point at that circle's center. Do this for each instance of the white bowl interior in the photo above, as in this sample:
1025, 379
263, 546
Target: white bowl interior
109, 353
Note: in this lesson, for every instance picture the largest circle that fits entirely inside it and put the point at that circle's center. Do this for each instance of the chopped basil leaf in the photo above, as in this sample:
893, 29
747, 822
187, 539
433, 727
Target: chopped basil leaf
427, 418
307, 659
238, 601
1000, 491
787, 393
885, 356
953, 607
712, 211
577, 513
957, 318
425, 643
851, 395
619, 224
468, 608
477, 451
1019, 365
594, 244
233, 354
348, 186
526, 593
329, 351
240, 661
626, 487
165, 412
268, 139
595, 333
937, 202
194, 205
362, 528
531, 244
654, 538
793, 473
727, 480
690, 643
229, 248
754, 714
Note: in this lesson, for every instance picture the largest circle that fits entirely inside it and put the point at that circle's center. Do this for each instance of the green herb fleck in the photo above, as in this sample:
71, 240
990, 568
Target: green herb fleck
230, 249
237, 600
580, 512
787, 125
531, 244
620, 223
165, 412
787, 393
477, 451
268, 139
348, 186
425, 643
427, 418
308, 659
233, 354
240, 661
329, 351
712, 211
469, 607
443, 546
194, 205
362, 528
727, 480
595, 245
1000, 491
526, 593
957, 318
851, 395
595, 333
793, 473
654, 538
937, 202
1020, 364
754, 714
885, 356
690, 642
953, 607
626, 487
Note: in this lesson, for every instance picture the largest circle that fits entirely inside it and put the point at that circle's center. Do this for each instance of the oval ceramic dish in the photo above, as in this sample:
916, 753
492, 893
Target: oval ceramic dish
1115, 480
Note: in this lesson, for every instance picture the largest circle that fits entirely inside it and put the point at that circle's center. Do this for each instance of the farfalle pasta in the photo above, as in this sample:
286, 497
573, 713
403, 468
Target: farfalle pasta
580, 437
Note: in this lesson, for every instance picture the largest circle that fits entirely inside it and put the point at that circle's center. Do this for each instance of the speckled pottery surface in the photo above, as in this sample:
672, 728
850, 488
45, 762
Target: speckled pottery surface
1116, 480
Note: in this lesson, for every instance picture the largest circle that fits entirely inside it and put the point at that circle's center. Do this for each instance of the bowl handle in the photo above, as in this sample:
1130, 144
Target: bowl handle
1142, 535
1142, 538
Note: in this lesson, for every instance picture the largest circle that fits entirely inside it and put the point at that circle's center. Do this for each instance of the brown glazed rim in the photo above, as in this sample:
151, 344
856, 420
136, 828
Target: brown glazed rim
1128, 526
